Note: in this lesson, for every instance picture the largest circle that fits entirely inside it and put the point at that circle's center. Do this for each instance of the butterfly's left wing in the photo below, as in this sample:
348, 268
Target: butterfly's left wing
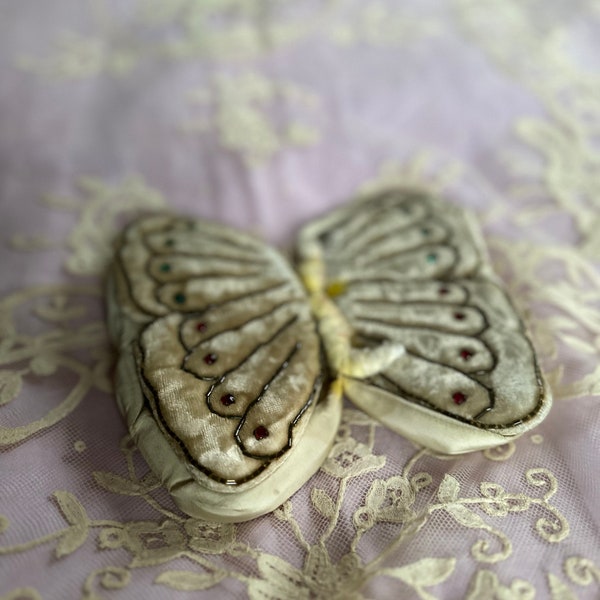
220, 375
417, 325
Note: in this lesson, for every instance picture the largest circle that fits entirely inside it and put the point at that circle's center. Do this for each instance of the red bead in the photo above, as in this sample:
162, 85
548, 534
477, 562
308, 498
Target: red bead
227, 399
200, 327
459, 398
443, 291
466, 354
210, 359
261, 432
459, 316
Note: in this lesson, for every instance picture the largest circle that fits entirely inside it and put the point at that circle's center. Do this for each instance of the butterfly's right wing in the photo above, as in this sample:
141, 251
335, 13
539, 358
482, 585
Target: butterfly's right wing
417, 325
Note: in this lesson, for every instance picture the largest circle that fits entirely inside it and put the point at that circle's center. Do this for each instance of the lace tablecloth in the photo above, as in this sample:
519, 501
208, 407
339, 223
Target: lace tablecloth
263, 115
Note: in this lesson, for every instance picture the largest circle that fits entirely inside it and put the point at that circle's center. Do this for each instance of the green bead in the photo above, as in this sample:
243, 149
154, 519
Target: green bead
431, 258
179, 298
165, 267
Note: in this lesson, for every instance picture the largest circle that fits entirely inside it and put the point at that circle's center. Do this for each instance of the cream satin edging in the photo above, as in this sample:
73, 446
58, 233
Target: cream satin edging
428, 428
234, 503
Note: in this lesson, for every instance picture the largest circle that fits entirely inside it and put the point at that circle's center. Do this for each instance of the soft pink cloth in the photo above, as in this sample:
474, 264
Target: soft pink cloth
263, 115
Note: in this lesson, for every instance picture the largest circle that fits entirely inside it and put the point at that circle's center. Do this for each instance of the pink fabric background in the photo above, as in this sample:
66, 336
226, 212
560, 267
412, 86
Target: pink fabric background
444, 93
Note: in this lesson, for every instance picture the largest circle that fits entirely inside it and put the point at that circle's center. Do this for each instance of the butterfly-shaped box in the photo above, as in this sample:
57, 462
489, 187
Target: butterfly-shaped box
232, 368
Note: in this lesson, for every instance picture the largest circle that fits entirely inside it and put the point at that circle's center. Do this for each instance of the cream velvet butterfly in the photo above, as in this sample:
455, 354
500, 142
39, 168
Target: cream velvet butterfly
231, 370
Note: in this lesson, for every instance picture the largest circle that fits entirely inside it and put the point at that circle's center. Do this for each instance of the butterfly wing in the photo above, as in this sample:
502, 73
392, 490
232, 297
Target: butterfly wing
417, 324
220, 374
